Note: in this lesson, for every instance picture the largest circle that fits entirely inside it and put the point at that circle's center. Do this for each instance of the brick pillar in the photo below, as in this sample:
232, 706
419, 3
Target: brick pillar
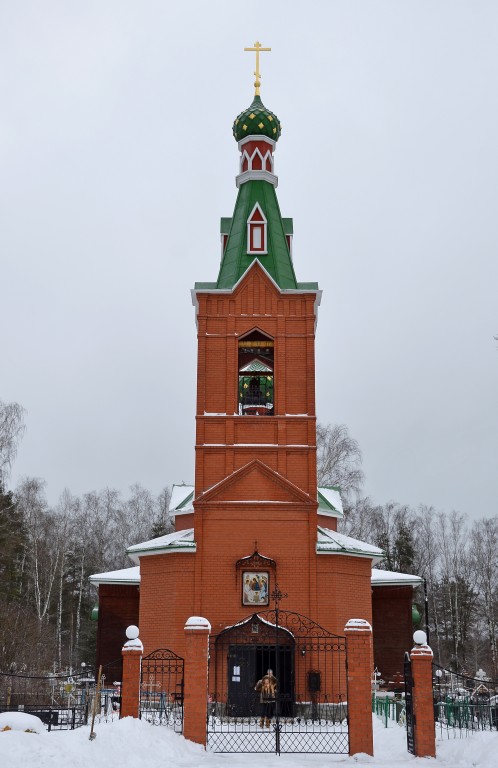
197, 632
360, 664
130, 686
423, 704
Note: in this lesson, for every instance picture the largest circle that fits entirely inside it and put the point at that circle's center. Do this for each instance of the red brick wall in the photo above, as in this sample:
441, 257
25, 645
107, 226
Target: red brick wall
273, 501
344, 590
118, 608
392, 628
225, 443
166, 600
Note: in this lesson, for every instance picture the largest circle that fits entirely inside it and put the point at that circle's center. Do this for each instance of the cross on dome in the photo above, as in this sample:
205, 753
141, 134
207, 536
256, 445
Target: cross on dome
257, 74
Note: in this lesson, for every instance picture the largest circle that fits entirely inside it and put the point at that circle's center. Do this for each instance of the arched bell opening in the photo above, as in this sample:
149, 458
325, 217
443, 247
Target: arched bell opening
256, 375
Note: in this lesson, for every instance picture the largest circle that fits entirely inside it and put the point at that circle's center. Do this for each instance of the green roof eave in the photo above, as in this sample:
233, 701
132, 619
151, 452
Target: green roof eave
288, 226
204, 286
308, 286
188, 499
277, 260
225, 224
324, 504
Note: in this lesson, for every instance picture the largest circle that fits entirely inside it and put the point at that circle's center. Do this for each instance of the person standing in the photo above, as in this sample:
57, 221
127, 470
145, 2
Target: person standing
267, 689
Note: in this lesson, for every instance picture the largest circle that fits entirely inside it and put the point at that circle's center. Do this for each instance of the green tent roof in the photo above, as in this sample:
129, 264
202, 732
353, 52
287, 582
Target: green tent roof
277, 260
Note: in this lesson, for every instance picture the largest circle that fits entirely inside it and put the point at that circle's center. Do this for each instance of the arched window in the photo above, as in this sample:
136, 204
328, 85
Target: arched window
255, 369
256, 231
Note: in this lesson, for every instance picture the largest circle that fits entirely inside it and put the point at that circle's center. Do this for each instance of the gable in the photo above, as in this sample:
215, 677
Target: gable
256, 482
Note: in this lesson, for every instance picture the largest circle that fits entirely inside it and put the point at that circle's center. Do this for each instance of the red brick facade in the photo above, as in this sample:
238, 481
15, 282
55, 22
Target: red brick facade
392, 628
118, 608
255, 479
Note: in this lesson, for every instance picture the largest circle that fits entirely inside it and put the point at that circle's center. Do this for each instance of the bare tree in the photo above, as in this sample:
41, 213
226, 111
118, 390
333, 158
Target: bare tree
456, 585
11, 430
359, 519
163, 523
44, 544
484, 556
339, 460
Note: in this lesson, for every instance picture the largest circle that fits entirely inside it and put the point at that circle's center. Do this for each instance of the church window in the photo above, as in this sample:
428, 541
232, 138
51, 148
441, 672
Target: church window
255, 371
256, 231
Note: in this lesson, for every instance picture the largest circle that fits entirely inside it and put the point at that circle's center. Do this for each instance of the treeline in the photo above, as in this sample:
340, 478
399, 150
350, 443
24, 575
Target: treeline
457, 557
46, 557
459, 561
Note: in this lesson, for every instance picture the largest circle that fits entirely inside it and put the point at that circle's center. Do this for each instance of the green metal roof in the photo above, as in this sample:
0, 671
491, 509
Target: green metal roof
236, 260
225, 224
325, 504
257, 120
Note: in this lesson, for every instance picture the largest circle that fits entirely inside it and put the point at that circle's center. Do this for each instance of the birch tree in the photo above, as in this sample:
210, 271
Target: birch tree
11, 430
485, 557
339, 460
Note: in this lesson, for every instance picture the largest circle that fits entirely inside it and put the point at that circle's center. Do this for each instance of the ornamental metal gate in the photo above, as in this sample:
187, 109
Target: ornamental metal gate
161, 689
309, 710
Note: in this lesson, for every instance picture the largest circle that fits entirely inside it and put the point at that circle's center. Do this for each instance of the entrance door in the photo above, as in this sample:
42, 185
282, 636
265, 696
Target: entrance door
249, 663
241, 677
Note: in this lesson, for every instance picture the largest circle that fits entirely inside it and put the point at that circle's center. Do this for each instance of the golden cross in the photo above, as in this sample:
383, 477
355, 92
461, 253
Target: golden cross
257, 47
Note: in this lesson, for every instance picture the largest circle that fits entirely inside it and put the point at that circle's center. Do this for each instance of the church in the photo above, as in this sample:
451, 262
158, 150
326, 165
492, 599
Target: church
254, 532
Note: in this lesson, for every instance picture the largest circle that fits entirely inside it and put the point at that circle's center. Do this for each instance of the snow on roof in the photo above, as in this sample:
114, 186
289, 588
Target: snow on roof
123, 576
182, 497
172, 542
379, 577
331, 542
180, 501
251, 618
392, 578
332, 496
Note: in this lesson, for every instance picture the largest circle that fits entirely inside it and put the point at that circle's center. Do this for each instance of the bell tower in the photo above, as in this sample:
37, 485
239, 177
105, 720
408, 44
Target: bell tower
255, 453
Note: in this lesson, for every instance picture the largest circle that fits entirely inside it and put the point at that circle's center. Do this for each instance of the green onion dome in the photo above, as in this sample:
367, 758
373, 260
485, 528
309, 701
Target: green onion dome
256, 120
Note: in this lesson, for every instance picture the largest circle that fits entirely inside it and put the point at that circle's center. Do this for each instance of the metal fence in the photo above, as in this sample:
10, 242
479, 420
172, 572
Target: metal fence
161, 689
389, 710
62, 701
463, 704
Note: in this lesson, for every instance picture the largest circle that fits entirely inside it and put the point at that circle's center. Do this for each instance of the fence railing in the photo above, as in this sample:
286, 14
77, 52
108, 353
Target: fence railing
389, 710
463, 704
64, 701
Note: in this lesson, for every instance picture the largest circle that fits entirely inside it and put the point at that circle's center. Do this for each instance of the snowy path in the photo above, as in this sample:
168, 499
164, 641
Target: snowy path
134, 744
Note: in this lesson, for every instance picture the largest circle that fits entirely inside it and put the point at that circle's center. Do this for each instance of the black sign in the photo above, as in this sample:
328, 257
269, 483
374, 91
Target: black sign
410, 717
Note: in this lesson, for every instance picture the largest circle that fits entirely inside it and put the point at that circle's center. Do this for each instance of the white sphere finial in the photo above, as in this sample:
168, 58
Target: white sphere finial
419, 637
132, 632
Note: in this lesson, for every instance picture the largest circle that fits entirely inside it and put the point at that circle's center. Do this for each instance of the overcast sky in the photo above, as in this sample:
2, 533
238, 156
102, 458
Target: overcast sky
117, 161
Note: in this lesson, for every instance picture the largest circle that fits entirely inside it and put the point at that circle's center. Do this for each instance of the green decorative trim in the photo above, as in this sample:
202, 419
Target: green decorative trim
185, 501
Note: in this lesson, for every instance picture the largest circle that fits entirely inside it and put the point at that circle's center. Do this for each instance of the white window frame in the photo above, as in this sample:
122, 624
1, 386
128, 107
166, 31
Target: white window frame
263, 227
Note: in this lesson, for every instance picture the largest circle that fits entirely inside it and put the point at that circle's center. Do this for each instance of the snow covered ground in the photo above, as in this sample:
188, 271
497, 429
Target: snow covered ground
132, 743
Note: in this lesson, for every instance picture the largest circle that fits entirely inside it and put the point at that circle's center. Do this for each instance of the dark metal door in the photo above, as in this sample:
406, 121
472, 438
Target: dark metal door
241, 678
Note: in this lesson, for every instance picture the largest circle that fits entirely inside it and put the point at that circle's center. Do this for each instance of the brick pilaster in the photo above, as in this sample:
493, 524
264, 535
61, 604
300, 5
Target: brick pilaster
423, 705
197, 630
130, 687
359, 649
